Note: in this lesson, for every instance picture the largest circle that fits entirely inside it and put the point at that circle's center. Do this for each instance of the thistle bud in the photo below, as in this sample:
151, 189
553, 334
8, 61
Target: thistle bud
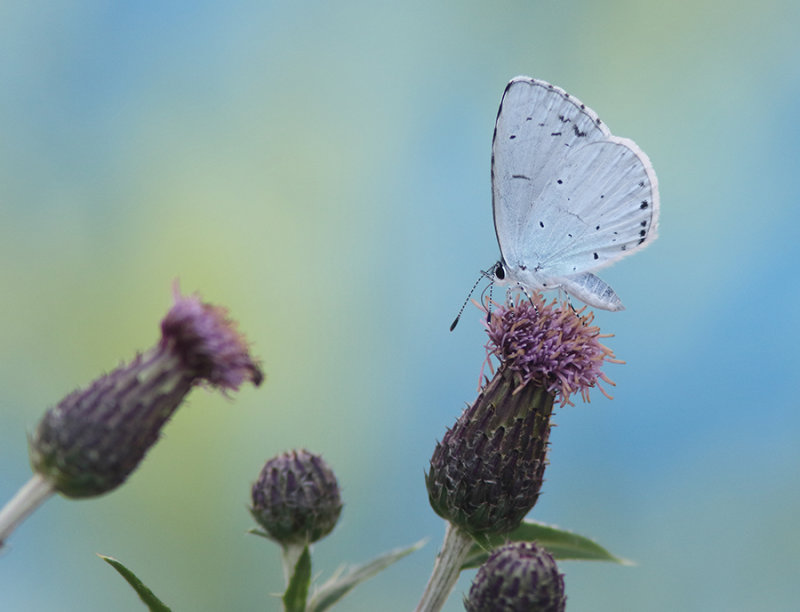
296, 498
486, 473
518, 577
94, 438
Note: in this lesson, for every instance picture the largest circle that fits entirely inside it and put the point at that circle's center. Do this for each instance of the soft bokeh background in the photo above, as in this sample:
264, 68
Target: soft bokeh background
323, 170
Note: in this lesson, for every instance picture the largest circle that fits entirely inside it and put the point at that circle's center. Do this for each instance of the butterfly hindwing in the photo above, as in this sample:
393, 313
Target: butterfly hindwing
601, 206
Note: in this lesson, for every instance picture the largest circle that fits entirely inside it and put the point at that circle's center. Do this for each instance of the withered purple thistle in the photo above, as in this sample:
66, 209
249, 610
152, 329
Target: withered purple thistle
92, 440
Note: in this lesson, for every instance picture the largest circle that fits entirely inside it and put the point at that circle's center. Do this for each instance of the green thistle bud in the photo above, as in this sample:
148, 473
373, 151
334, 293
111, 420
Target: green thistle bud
296, 498
94, 438
518, 577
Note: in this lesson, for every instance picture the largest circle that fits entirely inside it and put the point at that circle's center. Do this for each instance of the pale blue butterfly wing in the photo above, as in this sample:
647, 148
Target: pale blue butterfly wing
568, 197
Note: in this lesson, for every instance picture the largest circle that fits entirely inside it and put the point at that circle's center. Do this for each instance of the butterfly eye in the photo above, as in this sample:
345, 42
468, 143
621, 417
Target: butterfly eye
499, 271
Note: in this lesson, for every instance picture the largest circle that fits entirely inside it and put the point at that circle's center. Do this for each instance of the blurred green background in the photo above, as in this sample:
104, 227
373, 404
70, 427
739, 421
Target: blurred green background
322, 169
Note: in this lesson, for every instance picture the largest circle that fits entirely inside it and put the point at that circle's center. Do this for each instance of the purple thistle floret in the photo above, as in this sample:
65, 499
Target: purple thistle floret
208, 343
550, 345
94, 438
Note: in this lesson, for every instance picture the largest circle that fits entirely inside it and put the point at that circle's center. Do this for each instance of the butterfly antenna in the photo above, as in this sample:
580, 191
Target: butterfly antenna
469, 295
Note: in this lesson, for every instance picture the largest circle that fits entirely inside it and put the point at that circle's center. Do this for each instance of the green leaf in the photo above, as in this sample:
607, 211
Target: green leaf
341, 583
145, 594
294, 599
563, 545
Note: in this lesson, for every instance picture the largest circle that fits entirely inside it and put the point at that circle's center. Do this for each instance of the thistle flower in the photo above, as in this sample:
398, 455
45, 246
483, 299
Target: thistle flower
94, 438
518, 577
486, 473
296, 498
549, 345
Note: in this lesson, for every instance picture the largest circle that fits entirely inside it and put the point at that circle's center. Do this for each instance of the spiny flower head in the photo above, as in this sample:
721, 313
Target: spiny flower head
549, 344
486, 473
94, 438
296, 498
518, 577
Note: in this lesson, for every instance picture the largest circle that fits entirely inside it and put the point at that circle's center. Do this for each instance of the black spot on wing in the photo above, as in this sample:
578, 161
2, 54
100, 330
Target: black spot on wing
578, 133
596, 256
555, 133
541, 224
644, 204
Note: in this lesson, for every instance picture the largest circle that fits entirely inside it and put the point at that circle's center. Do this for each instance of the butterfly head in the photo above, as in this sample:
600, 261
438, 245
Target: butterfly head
499, 275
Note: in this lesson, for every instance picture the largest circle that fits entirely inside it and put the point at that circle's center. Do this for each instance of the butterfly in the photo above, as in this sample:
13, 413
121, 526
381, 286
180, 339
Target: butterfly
568, 197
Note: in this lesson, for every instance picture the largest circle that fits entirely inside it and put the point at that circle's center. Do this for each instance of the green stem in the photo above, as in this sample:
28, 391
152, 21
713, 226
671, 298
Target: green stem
457, 544
290, 553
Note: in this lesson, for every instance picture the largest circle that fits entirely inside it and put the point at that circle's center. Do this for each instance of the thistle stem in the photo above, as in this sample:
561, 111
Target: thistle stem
455, 547
27, 499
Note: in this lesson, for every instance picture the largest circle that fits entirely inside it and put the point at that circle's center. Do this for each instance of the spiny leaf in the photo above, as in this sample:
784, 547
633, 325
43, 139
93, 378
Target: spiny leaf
562, 544
145, 594
342, 583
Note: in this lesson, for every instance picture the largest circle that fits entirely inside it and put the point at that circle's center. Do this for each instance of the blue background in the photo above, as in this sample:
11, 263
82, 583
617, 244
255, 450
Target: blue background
322, 169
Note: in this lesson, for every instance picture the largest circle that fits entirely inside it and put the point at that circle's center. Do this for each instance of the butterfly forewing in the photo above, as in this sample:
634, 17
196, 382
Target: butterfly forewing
537, 126
568, 196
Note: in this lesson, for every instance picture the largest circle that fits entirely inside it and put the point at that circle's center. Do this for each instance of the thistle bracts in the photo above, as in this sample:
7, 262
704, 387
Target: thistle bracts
486, 473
